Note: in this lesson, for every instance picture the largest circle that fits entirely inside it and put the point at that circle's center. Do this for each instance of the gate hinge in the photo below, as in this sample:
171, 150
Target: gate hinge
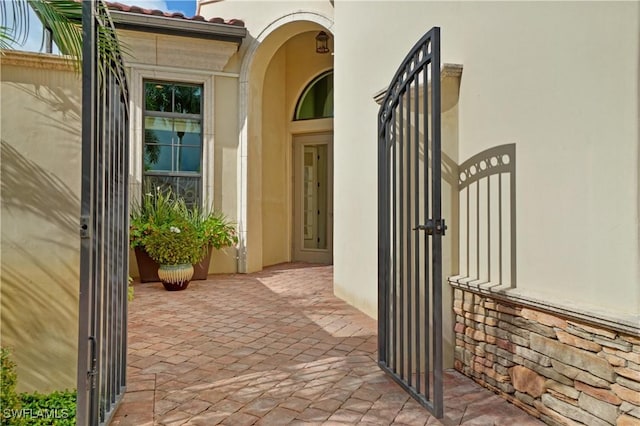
84, 227
92, 374
433, 227
91, 378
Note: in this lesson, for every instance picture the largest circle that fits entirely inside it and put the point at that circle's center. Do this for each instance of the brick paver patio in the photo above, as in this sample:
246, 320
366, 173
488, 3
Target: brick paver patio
275, 347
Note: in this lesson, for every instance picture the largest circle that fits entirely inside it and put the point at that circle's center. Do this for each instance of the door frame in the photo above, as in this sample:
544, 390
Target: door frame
298, 253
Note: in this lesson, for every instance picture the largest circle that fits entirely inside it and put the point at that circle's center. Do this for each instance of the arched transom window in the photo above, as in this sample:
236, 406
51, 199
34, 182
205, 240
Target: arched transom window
317, 99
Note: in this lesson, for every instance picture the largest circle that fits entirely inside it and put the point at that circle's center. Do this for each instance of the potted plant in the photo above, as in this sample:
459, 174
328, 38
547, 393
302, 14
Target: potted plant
216, 232
163, 210
156, 210
176, 248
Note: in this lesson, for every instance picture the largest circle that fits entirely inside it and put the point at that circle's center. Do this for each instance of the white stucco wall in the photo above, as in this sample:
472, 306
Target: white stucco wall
560, 80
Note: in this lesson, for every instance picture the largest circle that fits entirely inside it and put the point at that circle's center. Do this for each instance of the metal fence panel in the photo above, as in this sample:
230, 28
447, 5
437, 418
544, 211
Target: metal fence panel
410, 226
104, 221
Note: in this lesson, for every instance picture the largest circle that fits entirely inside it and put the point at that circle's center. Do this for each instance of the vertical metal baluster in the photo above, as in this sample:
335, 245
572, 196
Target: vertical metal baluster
117, 209
416, 221
125, 231
383, 252
401, 230
388, 147
109, 243
410, 232
85, 328
113, 213
437, 216
393, 264
122, 232
104, 225
427, 299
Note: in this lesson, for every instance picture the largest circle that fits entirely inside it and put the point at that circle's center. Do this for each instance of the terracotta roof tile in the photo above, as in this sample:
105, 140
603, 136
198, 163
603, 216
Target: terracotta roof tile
175, 15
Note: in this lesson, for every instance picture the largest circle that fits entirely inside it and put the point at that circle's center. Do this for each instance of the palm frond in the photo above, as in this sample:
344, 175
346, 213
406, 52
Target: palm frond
14, 24
5, 39
64, 19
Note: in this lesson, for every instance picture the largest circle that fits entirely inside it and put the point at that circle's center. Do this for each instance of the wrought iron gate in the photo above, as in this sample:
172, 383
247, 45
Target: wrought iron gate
410, 226
104, 257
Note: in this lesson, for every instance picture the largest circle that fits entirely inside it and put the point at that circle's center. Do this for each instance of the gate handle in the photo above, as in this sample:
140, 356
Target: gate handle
433, 227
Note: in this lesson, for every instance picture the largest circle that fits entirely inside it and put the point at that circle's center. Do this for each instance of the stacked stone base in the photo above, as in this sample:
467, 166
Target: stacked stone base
562, 371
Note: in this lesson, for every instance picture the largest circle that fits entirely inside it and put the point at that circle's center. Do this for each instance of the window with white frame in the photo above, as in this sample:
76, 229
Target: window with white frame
172, 155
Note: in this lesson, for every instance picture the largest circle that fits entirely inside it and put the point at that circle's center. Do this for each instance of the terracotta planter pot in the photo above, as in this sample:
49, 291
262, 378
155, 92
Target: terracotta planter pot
201, 269
175, 277
147, 267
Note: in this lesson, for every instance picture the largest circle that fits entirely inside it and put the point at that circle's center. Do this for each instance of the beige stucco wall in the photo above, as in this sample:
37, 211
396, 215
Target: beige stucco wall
293, 66
40, 244
560, 80
225, 164
276, 164
270, 26
175, 51
210, 63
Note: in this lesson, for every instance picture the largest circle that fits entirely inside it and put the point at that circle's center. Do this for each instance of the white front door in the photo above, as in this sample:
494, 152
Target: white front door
313, 198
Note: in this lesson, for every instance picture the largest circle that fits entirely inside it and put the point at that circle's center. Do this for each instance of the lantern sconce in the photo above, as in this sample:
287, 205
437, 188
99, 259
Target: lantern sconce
322, 42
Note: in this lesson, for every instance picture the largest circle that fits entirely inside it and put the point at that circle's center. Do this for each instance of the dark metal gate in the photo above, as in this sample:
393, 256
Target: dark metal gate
410, 226
104, 265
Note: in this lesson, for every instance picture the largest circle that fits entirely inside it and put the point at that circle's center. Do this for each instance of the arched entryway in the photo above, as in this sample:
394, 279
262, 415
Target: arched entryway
287, 118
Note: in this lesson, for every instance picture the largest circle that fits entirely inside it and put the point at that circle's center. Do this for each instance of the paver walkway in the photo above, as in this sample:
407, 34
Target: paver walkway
275, 347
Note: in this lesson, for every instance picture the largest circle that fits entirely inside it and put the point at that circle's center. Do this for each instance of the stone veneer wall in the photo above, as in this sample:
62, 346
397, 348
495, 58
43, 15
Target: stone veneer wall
562, 371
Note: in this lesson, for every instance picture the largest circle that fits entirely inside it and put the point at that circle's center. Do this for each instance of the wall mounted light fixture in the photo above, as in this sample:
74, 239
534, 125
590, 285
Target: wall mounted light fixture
322, 42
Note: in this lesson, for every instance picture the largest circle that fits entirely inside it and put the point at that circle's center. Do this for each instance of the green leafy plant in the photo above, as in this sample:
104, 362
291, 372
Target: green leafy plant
214, 228
218, 231
9, 400
157, 209
160, 209
56, 408
175, 244
130, 290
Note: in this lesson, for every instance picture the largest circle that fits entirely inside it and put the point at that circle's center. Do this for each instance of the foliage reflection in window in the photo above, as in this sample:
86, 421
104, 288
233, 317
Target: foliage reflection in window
173, 138
317, 99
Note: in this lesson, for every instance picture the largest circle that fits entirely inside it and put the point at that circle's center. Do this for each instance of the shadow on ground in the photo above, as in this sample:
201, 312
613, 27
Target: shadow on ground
274, 347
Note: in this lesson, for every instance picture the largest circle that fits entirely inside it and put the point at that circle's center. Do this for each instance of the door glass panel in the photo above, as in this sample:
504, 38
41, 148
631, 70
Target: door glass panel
314, 197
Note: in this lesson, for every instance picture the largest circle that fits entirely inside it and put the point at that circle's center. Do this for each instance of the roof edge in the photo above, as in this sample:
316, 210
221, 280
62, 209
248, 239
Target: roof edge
231, 32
